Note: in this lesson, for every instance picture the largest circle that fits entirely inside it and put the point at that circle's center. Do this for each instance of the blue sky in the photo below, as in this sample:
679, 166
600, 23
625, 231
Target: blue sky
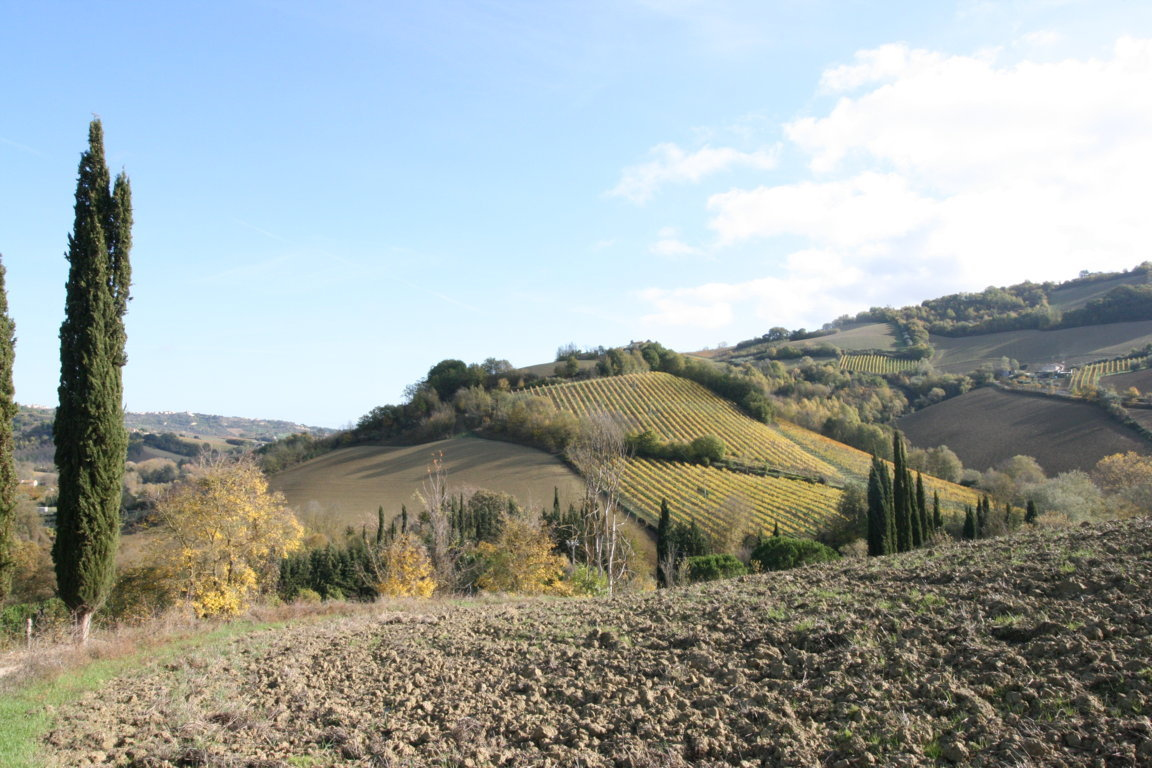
331, 197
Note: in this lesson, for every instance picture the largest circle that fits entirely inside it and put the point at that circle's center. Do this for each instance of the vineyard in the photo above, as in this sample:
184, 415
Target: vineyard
680, 410
1087, 376
714, 497
878, 364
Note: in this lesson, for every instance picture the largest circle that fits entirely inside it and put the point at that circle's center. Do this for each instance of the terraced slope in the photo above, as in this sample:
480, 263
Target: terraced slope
681, 410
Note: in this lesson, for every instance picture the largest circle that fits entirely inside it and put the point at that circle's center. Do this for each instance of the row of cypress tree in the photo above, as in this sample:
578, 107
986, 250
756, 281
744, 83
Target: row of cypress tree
898, 515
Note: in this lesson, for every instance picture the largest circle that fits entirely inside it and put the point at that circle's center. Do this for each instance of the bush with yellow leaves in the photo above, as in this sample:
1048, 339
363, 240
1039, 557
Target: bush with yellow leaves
225, 534
407, 569
522, 561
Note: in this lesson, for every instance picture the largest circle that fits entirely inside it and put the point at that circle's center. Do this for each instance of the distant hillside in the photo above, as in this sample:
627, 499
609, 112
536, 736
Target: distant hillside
172, 433
988, 425
1094, 299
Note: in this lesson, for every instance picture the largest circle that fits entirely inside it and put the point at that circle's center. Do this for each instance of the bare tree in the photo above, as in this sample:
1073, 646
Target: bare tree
439, 539
600, 452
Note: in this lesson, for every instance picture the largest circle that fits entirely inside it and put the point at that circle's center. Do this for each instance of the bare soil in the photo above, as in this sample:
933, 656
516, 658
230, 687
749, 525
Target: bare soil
1030, 650
987, 425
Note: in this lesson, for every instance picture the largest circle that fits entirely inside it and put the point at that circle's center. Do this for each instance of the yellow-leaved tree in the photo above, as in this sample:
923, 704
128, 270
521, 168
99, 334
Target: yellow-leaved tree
407, 569
227, 533
522, 561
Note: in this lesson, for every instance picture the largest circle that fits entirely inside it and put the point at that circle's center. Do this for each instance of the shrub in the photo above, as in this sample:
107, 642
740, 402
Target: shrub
307, 596
779, 553
587, 581
713, 567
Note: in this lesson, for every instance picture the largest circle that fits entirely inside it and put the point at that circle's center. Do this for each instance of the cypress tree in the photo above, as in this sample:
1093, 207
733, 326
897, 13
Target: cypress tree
403, 519
8, 480
880, 524
924, 522
902, 496
662, 531
1030, 513
775, 528
982, 508
380, 525
937, 518
91, 441
969, 531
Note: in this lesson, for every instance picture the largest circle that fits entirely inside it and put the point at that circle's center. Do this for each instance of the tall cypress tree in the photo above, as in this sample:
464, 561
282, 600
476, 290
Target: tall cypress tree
924, 521
1031, 514
937, 518
7, 463
880, 524
902, 496
91, 442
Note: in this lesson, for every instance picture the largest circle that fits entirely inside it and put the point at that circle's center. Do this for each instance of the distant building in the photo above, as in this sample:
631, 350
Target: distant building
1051, 370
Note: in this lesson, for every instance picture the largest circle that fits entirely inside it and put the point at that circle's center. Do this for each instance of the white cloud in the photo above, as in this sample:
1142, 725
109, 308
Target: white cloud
941, 173
858, 210
809, 294
878, 64
671, 164
670, 245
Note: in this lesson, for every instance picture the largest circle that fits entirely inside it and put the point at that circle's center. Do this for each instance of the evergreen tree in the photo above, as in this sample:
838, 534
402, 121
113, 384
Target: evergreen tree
8, 480
903, 497
403, 520
937, 517
923, 515
91, 441
969, 531
982, 508
1030, 513
880, 524
380, 525
775, 528
662, 531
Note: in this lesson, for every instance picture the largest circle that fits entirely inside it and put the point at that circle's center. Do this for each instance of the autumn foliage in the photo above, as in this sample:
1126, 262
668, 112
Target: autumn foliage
225, 534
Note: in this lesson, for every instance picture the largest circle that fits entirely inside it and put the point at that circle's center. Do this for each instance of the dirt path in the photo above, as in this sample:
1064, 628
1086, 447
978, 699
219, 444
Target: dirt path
1034, 650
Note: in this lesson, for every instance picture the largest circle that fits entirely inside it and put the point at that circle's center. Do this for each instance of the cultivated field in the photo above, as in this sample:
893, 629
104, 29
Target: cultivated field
347, 486
986, 426
1030, 650
1073, 346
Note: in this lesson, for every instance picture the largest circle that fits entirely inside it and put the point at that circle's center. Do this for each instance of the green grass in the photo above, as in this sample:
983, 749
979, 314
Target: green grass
25, 715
